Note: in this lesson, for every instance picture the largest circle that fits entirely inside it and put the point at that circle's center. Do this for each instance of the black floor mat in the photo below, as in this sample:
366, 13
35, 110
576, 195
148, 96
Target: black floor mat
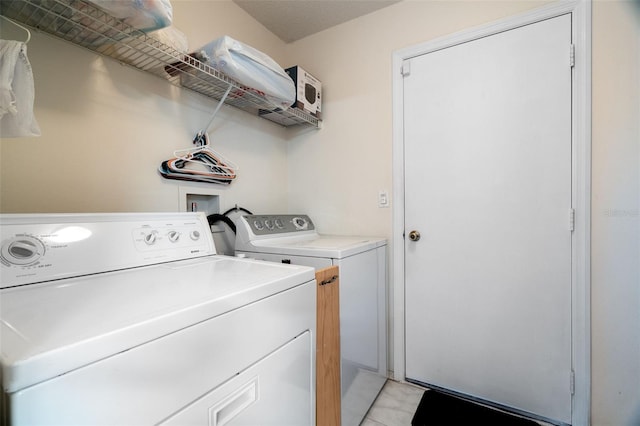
437, 408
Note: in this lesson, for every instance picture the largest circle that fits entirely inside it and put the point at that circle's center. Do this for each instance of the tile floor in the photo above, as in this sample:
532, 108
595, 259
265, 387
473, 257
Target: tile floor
394, 406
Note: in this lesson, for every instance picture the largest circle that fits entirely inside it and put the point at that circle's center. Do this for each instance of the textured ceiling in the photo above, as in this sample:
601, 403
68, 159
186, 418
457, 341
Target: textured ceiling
292, 20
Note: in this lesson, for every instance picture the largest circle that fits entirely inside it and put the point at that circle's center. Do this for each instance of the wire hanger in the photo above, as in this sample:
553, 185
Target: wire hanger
19, 26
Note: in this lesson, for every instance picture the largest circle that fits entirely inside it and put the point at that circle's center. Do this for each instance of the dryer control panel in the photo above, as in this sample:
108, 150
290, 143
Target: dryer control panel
278, 224
36, 248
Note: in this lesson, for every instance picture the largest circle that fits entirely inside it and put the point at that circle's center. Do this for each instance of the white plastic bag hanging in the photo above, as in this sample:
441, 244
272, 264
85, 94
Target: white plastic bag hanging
17, 92
251, 68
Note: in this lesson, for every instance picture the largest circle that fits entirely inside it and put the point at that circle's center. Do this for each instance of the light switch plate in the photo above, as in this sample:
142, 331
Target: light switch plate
383, 199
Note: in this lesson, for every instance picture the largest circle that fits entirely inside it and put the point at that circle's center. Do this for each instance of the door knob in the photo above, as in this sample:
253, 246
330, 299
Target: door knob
414, 235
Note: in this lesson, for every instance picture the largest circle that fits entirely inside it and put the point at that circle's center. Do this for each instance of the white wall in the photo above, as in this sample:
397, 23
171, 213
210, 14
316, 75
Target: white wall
616, 214
107, 127
353, 61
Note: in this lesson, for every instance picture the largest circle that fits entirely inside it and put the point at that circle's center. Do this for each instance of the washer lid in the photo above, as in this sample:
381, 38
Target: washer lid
52, 328
330, 246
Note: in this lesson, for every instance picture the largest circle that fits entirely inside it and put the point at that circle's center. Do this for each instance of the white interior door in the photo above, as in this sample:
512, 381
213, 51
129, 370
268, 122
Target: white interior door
487, 127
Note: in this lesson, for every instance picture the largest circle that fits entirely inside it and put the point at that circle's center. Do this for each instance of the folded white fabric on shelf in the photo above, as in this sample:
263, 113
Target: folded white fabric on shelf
17, 92
251, 68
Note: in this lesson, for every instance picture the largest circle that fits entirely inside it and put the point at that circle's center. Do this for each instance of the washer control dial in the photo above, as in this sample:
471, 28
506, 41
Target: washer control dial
259, 225
23, 250
300, 223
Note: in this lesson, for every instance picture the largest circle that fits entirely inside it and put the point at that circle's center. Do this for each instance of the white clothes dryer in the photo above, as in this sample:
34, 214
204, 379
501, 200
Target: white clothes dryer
293, 239
122, 319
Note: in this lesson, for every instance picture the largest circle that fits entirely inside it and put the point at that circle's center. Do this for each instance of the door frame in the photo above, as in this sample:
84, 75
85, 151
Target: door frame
581, 188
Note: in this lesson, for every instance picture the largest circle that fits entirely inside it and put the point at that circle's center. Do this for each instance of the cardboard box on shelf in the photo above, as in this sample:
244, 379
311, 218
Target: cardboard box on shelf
308, 91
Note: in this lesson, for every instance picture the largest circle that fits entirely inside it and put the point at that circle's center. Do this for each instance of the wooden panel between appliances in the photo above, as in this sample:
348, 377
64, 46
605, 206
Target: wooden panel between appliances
328, 348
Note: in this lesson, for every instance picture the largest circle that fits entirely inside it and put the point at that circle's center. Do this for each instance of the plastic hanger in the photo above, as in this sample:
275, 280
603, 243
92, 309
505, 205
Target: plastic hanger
206, 155
201, 164
208, 169
19, 26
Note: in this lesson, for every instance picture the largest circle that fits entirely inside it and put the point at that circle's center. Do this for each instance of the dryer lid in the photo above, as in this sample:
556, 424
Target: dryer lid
330, 246
51, 328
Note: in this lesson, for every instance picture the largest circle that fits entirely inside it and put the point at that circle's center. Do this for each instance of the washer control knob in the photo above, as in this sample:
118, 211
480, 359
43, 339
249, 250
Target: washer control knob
195, 235
300, 223
174, 236
150, 238
258, 225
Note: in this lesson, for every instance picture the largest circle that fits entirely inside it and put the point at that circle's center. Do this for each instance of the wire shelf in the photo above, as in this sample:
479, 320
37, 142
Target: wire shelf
86, 25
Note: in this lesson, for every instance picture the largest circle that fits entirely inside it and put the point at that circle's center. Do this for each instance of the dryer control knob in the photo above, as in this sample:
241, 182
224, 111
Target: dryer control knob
195, 235
174, 236
151, 238
23, 250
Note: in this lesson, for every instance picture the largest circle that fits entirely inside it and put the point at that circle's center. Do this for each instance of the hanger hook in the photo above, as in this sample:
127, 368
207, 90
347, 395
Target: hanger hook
201, 138
19, 26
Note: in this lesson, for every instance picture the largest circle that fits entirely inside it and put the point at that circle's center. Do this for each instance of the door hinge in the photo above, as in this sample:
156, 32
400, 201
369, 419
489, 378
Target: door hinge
572, 382
572, 55
572, 219
406, 68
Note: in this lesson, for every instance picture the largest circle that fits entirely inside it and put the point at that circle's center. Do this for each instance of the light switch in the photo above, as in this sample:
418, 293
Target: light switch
383, 199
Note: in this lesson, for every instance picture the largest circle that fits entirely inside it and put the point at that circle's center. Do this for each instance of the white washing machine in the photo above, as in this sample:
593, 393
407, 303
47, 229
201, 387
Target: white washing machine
126, 319
293, 239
